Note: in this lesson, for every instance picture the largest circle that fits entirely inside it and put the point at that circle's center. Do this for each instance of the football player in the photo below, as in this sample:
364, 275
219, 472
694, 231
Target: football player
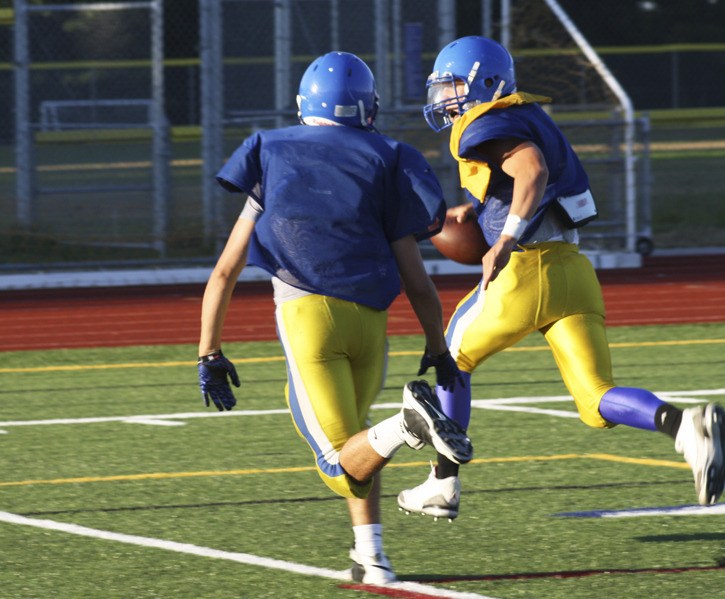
529, 193
333, 212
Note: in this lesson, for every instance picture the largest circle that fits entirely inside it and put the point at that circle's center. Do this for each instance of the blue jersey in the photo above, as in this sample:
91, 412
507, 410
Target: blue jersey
334, 198
527, 122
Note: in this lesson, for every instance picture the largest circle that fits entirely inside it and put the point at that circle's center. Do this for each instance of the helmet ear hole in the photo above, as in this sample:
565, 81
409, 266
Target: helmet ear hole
488, 82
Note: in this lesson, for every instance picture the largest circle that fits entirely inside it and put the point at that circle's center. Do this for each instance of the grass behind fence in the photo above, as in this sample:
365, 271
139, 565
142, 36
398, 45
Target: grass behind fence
686, 180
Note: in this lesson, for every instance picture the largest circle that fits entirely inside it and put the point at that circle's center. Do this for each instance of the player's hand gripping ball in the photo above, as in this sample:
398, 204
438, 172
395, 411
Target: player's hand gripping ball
461, 242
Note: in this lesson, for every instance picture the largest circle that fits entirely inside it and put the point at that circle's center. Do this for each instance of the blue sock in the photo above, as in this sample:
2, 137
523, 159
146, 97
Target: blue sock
456, 404
630, 406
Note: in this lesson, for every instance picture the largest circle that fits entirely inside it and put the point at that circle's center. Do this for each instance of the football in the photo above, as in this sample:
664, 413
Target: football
460, 242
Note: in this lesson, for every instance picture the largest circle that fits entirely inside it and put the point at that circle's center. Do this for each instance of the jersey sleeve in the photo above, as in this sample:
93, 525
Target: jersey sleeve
242, 173
418, 207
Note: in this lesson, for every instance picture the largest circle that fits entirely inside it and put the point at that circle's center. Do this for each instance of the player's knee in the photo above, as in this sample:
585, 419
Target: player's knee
465, 363
595, 420
589, 413
345, 486
587, 399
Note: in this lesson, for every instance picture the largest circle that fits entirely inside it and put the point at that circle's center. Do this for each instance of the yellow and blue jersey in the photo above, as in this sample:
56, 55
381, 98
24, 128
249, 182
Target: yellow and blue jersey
547, 286
518, 116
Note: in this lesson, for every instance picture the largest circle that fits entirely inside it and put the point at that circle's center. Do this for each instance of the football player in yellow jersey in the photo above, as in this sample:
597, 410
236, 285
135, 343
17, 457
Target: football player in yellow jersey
529, 193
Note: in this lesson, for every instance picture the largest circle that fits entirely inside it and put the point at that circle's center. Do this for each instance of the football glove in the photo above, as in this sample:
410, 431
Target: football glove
447, 372
213, 372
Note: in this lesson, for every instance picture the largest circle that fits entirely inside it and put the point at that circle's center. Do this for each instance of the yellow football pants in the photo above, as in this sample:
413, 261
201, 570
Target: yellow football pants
548, 287
336, 353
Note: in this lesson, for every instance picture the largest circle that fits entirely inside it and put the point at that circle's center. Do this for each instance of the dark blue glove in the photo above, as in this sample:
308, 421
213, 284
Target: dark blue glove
447, 372
213, 371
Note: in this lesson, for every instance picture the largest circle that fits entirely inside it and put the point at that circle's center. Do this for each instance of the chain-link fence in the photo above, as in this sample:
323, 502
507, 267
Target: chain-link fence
406, 33
255, 52
116, 115
98, 79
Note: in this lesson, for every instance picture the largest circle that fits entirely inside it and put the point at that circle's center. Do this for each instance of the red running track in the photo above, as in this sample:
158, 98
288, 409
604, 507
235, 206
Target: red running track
666, 290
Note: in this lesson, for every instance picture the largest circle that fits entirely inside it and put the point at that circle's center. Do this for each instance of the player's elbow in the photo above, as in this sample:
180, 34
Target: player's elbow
226, 275
540, 175
421, 291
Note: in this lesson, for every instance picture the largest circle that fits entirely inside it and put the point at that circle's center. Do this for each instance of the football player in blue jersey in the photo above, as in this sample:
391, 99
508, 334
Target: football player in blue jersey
529, 193
333, 213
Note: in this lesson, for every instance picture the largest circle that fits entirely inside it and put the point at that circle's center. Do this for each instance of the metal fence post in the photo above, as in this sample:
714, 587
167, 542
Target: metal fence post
161, 148
212, 93
446, 22
382, 50
282, 56
25, 204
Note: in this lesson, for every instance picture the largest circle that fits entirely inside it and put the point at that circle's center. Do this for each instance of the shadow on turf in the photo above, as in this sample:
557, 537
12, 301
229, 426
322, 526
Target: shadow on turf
699, 536
280, 501
444, 578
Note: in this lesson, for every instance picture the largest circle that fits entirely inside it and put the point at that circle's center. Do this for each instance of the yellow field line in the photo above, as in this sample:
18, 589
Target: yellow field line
641, 461
75, 367
80, 367
249, 471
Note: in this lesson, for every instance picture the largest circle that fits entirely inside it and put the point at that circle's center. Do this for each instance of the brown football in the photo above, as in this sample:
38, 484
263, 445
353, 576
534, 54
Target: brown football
461, 242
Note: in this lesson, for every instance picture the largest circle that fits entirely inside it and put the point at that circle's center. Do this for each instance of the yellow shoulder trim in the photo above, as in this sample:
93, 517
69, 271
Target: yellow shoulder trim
475, 175
471, 115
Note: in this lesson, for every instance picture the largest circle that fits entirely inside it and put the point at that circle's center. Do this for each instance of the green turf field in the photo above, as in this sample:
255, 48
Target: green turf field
116, 482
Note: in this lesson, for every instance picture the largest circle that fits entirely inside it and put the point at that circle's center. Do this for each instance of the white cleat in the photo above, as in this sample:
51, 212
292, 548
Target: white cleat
425, 424
435, 497
371, 569
701, 439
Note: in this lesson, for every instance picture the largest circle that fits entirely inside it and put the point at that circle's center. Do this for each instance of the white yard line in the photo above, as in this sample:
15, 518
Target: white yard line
680, 510
242, 558
507, 404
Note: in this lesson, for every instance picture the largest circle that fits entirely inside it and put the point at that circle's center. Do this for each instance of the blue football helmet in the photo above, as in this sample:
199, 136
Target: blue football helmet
338, 88
467, 72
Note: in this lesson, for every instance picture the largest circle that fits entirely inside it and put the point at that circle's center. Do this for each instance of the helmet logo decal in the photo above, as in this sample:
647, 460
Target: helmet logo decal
473, 71
341, 110
499, 89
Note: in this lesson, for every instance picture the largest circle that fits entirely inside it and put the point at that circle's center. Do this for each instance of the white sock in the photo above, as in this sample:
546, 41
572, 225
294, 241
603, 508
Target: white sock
368, 538
387, 436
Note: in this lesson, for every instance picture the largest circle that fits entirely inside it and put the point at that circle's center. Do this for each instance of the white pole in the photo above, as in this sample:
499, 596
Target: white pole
627, 110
